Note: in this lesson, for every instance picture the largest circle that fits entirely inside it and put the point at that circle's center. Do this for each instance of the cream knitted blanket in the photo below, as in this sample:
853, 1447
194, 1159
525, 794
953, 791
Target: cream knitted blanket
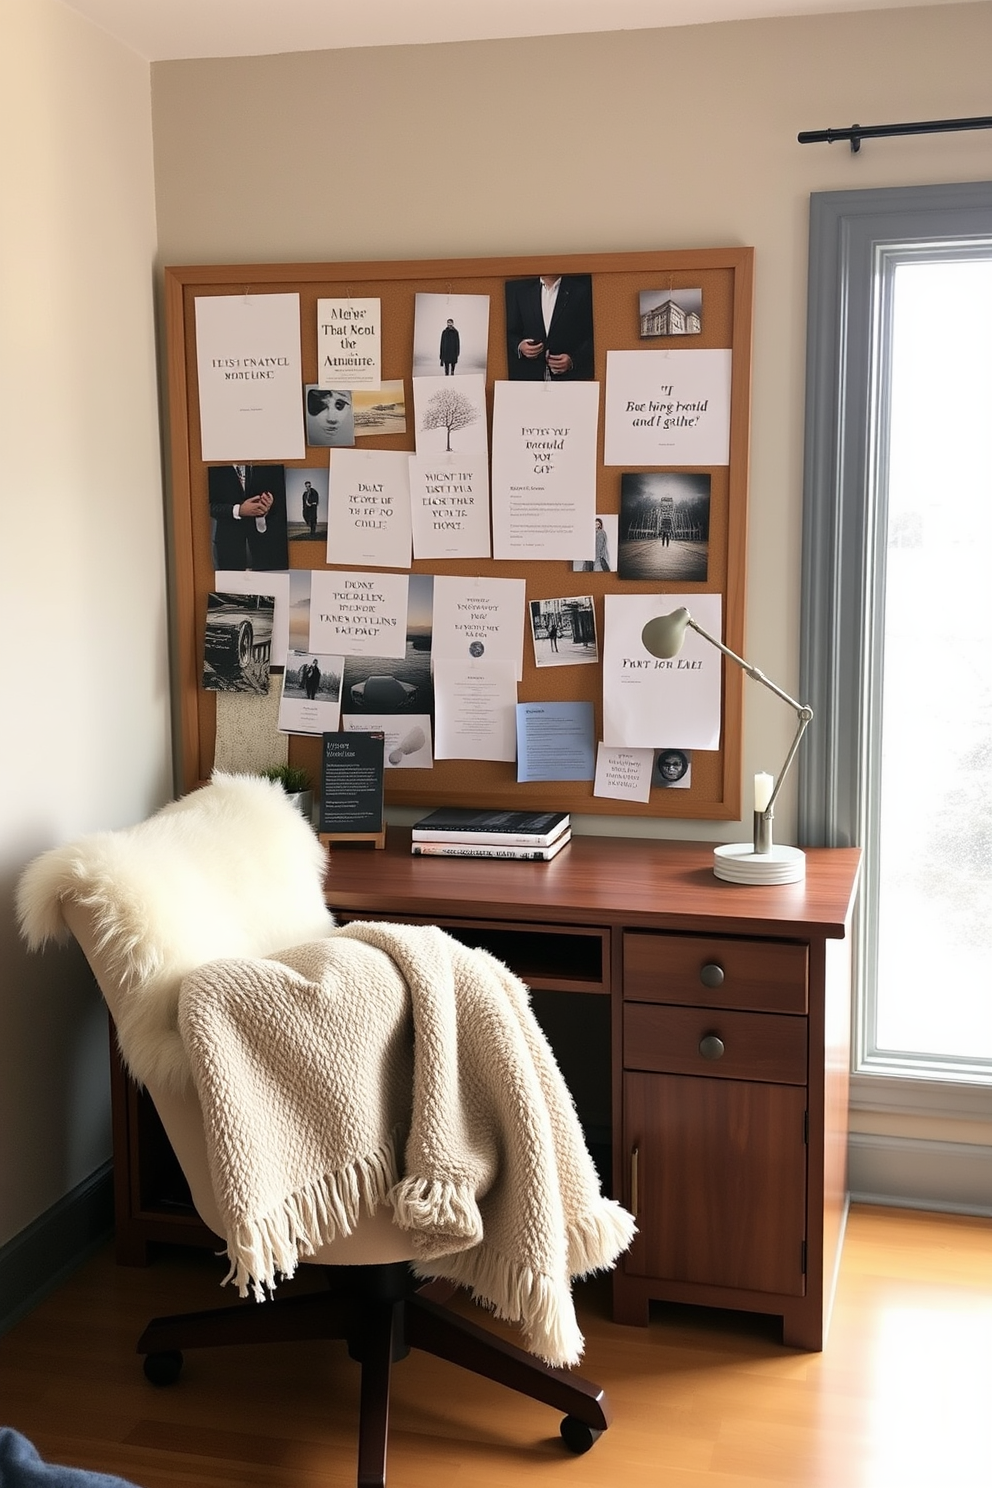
390, 1064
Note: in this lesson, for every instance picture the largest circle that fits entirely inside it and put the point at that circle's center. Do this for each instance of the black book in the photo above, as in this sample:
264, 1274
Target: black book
506, 828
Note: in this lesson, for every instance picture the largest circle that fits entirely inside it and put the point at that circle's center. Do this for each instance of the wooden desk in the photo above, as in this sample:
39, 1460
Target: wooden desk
736, 1163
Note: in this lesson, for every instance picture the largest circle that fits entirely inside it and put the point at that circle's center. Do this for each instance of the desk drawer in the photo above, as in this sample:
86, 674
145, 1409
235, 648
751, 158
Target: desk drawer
714, 1042
710, 971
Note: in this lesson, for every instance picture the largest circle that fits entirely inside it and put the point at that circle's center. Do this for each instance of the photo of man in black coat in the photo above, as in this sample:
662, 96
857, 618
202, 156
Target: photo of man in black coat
549, 334
248, 507
451, 346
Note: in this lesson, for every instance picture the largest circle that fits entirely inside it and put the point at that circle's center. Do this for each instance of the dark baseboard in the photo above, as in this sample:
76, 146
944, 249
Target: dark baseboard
43, 1255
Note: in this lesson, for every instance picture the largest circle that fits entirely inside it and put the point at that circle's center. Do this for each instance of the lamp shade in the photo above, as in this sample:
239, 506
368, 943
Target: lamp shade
664, 635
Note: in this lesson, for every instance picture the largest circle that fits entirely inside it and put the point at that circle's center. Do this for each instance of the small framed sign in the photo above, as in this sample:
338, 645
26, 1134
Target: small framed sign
351, 788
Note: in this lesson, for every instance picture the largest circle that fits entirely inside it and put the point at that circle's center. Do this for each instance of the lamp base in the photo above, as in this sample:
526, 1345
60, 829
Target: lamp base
737, 862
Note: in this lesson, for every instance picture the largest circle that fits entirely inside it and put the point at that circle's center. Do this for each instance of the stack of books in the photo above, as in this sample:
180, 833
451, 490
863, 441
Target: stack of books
454, 833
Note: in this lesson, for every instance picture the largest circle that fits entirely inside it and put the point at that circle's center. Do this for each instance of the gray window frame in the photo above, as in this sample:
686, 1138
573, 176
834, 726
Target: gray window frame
855, 239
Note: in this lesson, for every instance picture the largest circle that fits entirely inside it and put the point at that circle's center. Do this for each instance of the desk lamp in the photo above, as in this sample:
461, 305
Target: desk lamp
760, 862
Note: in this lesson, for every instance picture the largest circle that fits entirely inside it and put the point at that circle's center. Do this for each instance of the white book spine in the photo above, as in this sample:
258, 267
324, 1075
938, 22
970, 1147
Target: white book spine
520, 854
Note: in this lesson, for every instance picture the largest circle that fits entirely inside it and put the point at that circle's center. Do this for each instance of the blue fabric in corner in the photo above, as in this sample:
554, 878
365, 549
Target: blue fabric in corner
21, 1467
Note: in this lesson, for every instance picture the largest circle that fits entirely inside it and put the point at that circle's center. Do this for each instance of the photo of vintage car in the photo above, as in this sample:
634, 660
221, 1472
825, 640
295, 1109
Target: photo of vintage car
238, 634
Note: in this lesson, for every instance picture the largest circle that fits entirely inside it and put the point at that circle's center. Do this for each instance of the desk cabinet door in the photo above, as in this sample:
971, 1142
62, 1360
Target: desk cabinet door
720, 1181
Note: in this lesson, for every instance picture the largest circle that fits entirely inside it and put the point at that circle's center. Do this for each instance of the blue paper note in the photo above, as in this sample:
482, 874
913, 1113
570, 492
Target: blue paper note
555, 741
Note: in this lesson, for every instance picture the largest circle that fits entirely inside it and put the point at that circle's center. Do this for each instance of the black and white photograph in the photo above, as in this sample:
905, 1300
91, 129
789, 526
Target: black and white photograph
670, 312
603, 557
248, 516
664, 526
306, 505
311, 693
564, 631
238, 642
380, 410
672, 769
450, 335
549, 328
451, 415
330, 417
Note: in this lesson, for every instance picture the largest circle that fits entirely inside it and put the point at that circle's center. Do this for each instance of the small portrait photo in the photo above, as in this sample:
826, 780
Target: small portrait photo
564, 631
306, 504
672, 770
670, 312
330, 416
311, 693
664, 527
237, 642
603, 558
450, 335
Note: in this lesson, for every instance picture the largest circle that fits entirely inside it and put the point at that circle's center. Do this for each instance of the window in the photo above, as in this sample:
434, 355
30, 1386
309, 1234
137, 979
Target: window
897, 636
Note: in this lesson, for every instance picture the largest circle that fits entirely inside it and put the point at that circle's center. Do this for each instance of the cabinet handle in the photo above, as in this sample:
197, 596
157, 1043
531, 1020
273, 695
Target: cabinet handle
634, 1154
711, 1047
711, 975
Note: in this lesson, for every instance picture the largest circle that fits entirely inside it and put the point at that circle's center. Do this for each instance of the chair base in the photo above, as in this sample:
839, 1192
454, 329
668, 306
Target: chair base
382, 1312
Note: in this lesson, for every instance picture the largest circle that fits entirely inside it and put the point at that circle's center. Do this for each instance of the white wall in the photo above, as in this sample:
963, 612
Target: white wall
672, 138
85, 741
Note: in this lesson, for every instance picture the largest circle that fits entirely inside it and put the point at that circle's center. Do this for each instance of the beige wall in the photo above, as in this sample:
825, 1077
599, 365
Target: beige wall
648, 139
85, 737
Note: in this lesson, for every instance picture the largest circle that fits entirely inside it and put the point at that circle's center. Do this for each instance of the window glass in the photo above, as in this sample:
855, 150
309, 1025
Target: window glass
933, 994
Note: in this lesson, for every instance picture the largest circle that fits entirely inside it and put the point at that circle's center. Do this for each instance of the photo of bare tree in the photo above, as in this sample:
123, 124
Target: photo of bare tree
451, 411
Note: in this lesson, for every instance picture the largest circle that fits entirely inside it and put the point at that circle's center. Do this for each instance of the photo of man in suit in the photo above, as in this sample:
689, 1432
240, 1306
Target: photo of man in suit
248, 508
549, 328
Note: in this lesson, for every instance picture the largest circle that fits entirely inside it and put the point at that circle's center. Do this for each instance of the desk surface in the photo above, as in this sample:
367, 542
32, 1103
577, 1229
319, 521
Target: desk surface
610, 880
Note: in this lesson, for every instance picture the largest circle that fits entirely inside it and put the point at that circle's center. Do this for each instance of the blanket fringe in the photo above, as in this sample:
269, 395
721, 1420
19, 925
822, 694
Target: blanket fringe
540, 1305
447, 1211
260, 1252
598, 1237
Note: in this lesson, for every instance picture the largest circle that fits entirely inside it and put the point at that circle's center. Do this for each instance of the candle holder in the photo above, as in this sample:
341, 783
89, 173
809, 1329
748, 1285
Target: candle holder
762, 832
760, 861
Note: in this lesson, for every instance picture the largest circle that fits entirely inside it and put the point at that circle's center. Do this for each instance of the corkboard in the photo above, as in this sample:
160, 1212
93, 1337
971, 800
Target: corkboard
725, 277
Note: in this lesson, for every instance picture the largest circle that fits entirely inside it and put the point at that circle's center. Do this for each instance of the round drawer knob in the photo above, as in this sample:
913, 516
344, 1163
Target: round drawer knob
711, 1047
711, 975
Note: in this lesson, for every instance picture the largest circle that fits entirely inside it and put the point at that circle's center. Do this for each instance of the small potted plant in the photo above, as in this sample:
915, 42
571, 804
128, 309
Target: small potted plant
297, 784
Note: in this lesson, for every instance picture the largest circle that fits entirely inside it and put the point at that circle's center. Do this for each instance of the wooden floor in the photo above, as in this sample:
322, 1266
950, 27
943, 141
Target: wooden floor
900, 1398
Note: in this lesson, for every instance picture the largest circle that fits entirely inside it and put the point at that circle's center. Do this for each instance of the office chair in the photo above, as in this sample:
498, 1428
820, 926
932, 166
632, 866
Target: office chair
233, 870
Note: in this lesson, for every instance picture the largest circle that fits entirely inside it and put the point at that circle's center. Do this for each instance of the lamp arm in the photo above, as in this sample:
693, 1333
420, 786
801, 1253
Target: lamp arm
805, 719
752, 671
803, 711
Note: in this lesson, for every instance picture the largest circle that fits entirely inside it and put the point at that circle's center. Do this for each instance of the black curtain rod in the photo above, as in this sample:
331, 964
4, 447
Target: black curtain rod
858, 132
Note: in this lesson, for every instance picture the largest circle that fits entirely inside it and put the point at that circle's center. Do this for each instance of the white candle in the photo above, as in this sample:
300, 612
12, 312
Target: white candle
763, 783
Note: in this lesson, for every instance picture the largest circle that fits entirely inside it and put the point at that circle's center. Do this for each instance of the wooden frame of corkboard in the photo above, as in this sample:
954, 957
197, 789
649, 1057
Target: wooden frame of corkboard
725, 276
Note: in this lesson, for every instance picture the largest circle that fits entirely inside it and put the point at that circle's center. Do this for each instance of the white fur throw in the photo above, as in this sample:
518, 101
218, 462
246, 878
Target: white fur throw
231, 869
317, 1104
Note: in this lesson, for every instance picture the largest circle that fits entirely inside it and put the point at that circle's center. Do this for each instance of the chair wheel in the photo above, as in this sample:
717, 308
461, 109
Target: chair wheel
163, 1369
577, 1436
